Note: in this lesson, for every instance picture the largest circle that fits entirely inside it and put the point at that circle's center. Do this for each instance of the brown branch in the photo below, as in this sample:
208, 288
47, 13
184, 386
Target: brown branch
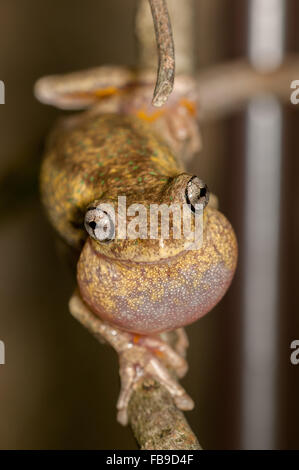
155, 420
166, 68
182, 24
227, 87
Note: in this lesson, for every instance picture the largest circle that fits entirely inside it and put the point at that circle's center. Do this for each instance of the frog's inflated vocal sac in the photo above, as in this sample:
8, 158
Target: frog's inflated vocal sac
139, 288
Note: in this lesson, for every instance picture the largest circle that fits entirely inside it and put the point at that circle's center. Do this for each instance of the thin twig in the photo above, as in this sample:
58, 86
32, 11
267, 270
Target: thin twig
182, 24
166, 68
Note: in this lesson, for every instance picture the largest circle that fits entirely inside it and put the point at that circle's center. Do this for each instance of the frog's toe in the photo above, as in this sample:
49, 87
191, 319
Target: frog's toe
168, 355
182, 343
149, 357
128, 379
178, 393
184, 402
178, 339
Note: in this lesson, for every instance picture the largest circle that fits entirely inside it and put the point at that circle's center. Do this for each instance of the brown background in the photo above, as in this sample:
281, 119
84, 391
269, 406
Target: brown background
58, 388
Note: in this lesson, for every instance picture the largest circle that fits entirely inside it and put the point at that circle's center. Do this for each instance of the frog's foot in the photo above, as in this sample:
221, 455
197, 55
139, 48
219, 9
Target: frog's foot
167, 350
139, 356
183, 131
176, 123
150, 356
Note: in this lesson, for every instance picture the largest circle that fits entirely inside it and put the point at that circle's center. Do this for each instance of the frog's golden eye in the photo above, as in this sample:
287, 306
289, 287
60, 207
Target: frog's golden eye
197, 193
99, 224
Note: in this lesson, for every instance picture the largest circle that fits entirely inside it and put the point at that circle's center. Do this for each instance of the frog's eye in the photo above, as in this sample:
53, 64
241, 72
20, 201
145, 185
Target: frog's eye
197, 193
99, 224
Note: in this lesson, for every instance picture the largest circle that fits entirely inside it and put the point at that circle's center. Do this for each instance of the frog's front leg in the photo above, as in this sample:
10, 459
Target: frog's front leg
139, 356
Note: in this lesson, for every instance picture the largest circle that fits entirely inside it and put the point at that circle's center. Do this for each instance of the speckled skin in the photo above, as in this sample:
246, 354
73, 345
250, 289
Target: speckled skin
101, 157
150, 297
142, 286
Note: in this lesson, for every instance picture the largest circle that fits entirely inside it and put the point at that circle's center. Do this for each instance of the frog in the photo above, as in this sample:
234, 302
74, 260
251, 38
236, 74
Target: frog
138, 290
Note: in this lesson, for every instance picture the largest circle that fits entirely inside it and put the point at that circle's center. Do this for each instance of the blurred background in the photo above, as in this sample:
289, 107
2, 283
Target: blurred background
59, 387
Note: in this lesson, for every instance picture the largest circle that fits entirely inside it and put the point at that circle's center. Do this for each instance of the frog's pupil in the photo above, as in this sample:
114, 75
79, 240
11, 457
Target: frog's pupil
203, 192
92, 225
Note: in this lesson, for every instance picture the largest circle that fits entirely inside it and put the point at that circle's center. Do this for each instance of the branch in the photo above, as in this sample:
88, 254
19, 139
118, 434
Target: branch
181, 15
182, 23
166, 68
155, 420
227, 87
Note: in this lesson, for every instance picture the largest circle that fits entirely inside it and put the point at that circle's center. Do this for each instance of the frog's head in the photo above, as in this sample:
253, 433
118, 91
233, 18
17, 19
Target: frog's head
157, 284
157, 227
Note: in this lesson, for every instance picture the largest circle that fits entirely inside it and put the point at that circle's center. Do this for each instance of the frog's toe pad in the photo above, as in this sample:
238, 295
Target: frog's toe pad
184, 402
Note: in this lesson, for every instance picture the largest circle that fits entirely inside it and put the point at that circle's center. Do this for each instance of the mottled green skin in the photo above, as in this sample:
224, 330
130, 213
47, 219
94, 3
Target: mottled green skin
102, 156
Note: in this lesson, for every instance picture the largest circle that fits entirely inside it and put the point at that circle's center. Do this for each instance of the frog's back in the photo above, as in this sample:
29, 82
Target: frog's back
112, 154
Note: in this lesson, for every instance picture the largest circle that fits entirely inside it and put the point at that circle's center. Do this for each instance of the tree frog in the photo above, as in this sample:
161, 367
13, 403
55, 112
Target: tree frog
138, 289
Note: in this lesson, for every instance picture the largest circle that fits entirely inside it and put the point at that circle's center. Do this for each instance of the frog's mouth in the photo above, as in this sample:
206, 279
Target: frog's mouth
139, 260
149, 254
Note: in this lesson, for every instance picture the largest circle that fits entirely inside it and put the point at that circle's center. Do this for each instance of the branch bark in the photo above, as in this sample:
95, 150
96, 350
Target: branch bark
156, 422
